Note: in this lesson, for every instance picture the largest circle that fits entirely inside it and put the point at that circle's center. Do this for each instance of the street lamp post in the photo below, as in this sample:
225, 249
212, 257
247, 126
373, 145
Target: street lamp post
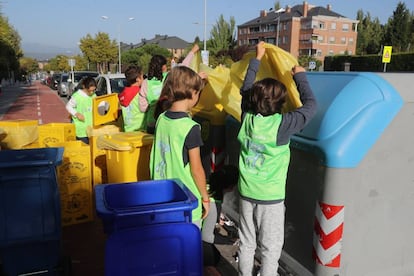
104, 17
278, 24
204, 53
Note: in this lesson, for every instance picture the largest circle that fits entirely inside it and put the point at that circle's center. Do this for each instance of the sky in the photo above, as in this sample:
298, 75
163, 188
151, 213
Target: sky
62, 24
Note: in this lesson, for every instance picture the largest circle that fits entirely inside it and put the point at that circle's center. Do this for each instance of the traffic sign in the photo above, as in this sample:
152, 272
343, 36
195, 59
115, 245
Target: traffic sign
386, 54
312, 65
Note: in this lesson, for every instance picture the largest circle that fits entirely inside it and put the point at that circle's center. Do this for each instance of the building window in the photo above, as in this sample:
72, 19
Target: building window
343, 40
322, 25
331, 39
331, 52
319, 53
254, 29
345, 27
333, 26
351, 41
271, 40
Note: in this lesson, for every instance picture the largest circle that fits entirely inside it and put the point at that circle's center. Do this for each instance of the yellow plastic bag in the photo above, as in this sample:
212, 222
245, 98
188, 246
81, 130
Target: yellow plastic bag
225, 83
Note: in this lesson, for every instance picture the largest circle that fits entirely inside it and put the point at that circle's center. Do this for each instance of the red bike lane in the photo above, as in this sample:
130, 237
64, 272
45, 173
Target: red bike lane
36, 102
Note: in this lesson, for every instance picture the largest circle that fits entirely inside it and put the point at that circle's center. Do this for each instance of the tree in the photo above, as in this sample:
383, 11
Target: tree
141, 56
223, 35
370, 34
100, 50
10, 50
398, 29
277, 5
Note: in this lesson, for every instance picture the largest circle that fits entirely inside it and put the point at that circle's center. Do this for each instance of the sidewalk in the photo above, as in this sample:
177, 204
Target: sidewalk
35, 102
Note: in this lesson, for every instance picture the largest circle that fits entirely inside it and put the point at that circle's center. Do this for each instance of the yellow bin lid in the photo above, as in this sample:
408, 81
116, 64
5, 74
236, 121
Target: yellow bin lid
124, 141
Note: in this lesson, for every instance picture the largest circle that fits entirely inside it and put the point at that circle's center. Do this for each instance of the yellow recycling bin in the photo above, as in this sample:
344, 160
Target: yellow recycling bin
127, 155
18, 133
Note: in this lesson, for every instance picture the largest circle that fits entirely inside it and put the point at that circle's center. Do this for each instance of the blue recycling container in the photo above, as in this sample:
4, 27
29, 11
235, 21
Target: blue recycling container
158, 249
30, 219
134, 204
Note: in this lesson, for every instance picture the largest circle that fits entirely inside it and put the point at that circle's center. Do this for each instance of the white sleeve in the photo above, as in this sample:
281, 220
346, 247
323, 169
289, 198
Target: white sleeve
71, 106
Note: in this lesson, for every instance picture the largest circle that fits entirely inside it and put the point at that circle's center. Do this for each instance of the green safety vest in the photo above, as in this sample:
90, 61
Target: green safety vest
134, 119
153, 94
263, 165
84, 107
166, 159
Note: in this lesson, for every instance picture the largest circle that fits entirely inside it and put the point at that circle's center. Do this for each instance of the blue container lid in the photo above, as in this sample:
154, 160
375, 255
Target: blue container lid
143, 197
353, 111
31, 157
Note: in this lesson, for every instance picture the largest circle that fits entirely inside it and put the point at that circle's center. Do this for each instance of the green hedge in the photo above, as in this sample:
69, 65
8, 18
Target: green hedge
403, 62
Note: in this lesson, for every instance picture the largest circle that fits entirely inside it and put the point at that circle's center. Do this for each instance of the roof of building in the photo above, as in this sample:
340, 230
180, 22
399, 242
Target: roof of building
296, 11
165, 41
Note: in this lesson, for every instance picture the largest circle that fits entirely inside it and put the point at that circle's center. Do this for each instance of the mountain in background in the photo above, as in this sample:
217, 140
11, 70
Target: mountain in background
43, 52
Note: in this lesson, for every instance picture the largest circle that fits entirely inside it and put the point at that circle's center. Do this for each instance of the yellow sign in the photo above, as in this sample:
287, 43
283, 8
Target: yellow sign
386, 54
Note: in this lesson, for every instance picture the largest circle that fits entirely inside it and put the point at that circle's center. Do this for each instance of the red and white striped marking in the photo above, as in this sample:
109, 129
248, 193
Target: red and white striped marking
328, 230
217, 159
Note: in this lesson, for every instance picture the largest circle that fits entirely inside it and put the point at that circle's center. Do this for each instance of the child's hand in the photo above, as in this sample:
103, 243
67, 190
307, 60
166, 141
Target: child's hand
203, 75
80, 117
297, 69
260, 50
206, 209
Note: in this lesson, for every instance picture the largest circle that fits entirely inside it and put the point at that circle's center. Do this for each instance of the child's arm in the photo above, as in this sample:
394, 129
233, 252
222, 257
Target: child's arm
294, 121
190, 55
143, 102
197, 171
251, 75
71, 108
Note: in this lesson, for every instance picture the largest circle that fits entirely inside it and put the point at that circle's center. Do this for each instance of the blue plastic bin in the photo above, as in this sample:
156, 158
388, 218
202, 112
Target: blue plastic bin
133, 204
160, 249
30, 220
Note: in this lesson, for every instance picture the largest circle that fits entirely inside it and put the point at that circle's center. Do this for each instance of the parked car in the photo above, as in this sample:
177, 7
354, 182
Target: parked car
63, 85
55, 80
75, 83
110, 83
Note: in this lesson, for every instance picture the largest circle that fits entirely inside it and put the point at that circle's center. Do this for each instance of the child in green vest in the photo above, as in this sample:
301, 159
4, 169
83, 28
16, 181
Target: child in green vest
80, 107
133, 118
151, 87
175, 150
263, 163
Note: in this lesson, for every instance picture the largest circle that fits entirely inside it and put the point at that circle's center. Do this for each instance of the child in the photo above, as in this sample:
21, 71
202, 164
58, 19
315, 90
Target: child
80, 107
220, 182
151, 87
134, 119
175, 151
264, 159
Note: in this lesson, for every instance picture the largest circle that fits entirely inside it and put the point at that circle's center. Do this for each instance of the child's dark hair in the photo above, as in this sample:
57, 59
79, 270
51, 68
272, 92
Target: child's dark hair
132, 73
155, 67
267, 97
88, 82
180, 84
224, 179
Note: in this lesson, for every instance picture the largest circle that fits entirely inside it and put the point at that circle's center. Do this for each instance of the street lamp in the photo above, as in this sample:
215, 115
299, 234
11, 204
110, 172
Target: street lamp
104, 17
204, 53
278, 23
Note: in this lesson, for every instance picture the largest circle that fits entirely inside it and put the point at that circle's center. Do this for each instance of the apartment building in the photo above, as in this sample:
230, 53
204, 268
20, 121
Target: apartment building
302, 30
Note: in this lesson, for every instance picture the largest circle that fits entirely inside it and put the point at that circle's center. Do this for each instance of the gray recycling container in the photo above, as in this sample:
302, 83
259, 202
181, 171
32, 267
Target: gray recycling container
350, 190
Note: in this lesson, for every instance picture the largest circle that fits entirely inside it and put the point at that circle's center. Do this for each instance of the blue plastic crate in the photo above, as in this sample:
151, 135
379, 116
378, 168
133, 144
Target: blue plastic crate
159, 249
134, 204
29, 196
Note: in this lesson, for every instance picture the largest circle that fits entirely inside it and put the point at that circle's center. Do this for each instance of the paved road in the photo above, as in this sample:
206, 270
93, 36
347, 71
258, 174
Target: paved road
35, 102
